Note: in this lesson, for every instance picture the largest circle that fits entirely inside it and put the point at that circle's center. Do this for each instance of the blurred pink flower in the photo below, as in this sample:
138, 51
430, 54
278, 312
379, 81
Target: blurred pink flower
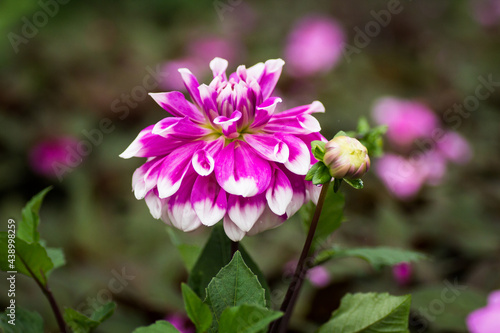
400, 176
407, 120
455, 148
487, 12
432, 166
47, 157
180, 322
314, 45
173, 79
319, 276
486, 320
402, 273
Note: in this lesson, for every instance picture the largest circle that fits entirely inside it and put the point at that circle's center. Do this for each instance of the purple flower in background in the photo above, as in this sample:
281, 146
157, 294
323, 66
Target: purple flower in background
402, 273
406, 120
180, 322
487, 12
486, 320
400, 176
228, 155
47, 157
314, 45
455, 148
319, 276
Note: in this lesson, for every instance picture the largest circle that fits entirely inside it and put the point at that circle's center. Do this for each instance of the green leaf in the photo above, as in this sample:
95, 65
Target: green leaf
363, 126
376, 256
189, 253
27, 230
356, 183
330, 219
161, 326
310, 174
56, 255
246, 319
370, 313
318, 149
322, 175
336, 184
33, 255
197, 311
25, 321
215, 255
340, 133
234, 285
79, 323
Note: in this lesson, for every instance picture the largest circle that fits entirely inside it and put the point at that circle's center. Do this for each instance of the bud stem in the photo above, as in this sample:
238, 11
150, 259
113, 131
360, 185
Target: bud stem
280, 325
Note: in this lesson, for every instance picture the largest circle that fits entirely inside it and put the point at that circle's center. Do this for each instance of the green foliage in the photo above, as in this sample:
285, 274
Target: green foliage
79, 323
371, 138
356, 183
161, 326
330, 219
318, 149
234, 285
370, 313
215, 255
26, 321
31, 259
27, 229
197, 311
336, 184
189, 253
376, 256
246, 319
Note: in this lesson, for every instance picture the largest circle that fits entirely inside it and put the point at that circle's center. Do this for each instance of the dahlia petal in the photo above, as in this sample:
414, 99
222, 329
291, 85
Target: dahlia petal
279, 193
218, 67
153, 172
154, 204
314, 107
268, 146
299, 159
240, 171
209, 200
225, 101
232, 231
180, 210
264, 111
191, 84
176, 104
208, 98
203, 162
268, 220
309, 122
174, 168
181, 128
270, 76
138, 182
147, 144
244, 212
255, 72
312, 192
286, 125
299, 192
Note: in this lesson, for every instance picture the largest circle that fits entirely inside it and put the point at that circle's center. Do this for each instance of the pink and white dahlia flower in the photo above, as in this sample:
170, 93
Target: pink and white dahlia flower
228, 155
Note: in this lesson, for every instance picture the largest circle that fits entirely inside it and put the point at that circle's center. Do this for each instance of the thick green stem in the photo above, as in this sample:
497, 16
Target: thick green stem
292, 293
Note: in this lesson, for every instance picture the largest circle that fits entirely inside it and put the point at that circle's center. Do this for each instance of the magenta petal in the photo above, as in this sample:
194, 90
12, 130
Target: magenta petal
270, 76
240, 171
244, 212
179, 128
209, 200
232, 230
314, 107
176, 104
266, 221
299, 159
203, 162
191, 84
180, 211
264, 111
208, 97
147, 144
298, 185
174, 168
279, 193
228, 124
268, 146
218, 67
154, 204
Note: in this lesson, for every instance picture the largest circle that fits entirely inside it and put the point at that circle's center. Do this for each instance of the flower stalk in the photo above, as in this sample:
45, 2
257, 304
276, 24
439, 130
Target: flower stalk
293, 291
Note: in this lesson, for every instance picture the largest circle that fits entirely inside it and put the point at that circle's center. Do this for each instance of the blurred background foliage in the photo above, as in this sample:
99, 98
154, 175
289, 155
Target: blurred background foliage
64, 80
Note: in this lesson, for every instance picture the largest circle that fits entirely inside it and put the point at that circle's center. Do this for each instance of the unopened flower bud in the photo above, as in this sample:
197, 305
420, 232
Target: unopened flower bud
346, 157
